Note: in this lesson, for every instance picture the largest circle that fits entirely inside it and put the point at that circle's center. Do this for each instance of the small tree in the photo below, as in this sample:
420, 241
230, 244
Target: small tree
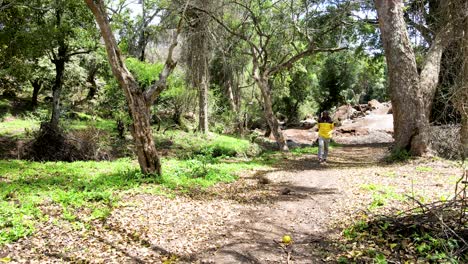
139, 101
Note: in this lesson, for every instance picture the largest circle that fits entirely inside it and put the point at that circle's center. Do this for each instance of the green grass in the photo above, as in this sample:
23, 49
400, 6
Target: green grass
189, 145
18, 127
305, 150
99, 123
312, 150
424, 169
381, 195
95, 186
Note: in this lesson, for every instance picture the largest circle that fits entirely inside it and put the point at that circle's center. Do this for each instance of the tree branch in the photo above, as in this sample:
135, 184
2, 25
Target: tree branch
311, 50
426, 33
78, 52
228, 29
155, 90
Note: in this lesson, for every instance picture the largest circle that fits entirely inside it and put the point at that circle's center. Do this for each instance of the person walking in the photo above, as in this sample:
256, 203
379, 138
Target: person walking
325, 128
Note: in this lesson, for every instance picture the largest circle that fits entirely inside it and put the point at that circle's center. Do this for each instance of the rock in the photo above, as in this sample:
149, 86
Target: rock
374, 104
343, 112
390, 110
308, 123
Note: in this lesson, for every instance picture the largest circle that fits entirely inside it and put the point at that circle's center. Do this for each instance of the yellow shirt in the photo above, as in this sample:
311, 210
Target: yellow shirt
325, 130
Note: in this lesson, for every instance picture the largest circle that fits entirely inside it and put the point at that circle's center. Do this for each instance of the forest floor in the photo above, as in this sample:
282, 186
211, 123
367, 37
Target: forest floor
244, 221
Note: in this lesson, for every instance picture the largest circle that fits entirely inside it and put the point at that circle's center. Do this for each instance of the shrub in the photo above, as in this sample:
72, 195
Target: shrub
54, 144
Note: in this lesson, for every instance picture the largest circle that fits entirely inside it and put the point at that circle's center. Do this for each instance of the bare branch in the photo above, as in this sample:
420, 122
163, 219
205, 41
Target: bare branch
426, 33
311, 50
155, 90
228, 29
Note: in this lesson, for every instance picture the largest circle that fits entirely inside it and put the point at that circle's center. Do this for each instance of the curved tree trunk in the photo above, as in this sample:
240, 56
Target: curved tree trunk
148, 157
410, 120
268, 111
138, 100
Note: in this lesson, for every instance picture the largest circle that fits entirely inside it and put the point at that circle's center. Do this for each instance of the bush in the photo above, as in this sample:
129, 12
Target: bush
54, 144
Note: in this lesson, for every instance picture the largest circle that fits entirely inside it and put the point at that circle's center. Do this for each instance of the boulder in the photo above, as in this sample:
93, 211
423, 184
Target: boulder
374, 104
390, 110
343, 112
308, 123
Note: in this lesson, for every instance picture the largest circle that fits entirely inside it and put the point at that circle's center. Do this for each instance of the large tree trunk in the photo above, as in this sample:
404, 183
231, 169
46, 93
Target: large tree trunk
37, 85
461, 94
270, 116
148, 157
409, 112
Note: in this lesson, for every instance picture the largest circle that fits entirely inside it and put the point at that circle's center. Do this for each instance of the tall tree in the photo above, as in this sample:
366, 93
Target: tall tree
277, 36
139, 101
460, 94
69, 26
411, 91
198, 44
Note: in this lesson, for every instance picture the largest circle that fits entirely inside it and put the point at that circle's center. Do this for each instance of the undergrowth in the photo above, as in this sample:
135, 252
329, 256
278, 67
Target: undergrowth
436, 234
187, 145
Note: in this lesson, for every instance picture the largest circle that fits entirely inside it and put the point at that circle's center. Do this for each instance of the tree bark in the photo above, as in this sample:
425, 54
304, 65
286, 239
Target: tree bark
199, 58
148, 157
37, 85
410, 121
139, 101
270, 117
59, 61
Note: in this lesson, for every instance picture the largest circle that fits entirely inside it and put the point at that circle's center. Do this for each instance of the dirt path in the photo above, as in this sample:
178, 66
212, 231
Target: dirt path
312, 196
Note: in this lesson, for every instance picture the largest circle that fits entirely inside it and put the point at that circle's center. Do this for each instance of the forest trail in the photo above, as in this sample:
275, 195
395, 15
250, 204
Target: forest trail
312, 196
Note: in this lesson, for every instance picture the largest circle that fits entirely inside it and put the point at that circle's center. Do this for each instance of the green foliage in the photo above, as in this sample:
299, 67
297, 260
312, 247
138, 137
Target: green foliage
354, 231
306, 150
145, 73
337, 79
188, 145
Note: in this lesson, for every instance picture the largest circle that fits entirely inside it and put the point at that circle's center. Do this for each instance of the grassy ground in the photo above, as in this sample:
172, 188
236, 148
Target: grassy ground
193, 161
97, 186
